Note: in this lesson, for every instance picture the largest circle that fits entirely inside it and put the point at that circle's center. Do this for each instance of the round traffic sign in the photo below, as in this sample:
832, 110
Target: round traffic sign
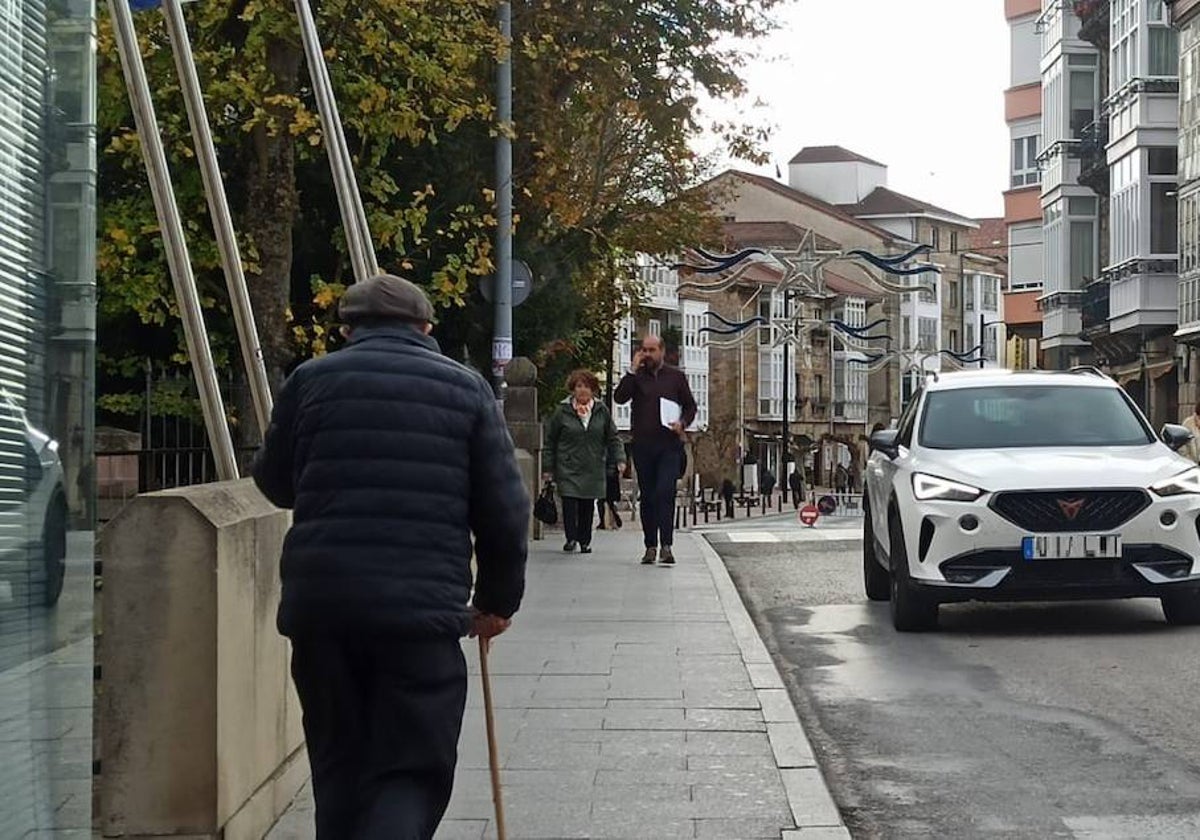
522, 284
827, 505
809, 514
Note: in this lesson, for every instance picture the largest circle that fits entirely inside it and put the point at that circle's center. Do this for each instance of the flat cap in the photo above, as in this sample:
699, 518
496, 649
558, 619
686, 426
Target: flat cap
385, 297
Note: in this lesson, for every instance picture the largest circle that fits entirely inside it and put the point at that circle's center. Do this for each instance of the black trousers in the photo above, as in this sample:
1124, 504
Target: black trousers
577, 520
382, 719
658, 472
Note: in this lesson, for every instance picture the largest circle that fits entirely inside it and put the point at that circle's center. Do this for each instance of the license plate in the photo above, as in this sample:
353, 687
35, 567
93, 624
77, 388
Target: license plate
1072, 547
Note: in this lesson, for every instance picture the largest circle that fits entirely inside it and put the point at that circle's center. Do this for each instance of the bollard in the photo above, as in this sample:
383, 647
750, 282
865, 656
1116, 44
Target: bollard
705, 514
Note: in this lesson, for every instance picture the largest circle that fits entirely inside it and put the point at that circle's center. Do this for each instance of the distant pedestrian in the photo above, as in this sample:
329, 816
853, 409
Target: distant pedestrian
607, 507
657, 392
1192, 423
727, 491
768, 482
796, 485
396, 462
580, 438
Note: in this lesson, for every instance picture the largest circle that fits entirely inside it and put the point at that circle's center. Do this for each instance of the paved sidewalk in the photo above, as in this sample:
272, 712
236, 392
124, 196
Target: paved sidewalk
634, 702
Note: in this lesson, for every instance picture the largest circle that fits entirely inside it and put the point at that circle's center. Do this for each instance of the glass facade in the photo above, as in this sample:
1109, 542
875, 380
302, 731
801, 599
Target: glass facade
47, 315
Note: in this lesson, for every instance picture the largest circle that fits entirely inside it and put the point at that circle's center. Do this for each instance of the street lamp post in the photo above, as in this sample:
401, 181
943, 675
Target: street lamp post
502, 336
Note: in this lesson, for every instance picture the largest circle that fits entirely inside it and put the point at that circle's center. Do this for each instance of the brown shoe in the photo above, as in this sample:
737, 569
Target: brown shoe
650, 556
666, 557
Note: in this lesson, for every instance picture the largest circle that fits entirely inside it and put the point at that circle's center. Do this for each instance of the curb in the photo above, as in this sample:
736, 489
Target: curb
813, 808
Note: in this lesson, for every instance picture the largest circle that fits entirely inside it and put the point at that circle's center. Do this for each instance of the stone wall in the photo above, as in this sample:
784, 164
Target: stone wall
199, 727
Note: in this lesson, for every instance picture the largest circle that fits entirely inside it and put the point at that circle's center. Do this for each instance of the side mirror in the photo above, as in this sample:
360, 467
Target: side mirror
1176, 437
886, 442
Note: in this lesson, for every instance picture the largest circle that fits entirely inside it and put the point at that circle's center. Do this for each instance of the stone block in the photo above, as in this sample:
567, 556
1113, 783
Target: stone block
521, 405
527, 436
199, 726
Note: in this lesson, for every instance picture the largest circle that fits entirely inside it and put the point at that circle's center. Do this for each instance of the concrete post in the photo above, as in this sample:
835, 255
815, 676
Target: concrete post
521, 412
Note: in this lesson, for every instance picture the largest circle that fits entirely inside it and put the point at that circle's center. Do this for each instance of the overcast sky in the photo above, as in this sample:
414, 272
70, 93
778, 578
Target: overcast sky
915, 84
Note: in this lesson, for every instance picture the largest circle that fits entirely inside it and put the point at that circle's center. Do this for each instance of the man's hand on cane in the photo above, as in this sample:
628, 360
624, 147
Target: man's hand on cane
487, 626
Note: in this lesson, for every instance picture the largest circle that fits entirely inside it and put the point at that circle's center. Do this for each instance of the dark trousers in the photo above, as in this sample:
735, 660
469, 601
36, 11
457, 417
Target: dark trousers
577, 520
381, 719
658, 469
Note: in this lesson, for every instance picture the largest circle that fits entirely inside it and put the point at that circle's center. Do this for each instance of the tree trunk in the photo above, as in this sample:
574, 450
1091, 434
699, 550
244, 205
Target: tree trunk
271, 208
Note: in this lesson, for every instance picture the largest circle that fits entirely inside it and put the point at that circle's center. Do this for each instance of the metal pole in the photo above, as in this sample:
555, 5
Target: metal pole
982, 342
787, 314
502, 340
354, 217
178, 262
218, 208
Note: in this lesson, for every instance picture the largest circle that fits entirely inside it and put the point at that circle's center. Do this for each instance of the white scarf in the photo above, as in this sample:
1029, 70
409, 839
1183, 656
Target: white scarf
585, 416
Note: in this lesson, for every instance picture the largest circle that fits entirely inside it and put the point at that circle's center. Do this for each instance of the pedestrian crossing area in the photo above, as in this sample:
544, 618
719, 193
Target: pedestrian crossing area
789, 533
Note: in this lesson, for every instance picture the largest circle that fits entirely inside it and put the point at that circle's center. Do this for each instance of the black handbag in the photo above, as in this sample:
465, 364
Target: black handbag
545, 509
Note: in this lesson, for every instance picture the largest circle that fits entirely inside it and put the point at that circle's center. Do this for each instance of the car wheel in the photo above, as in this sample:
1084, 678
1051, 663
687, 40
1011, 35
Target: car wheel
54, 551
1182, 608
875, 576
912, 611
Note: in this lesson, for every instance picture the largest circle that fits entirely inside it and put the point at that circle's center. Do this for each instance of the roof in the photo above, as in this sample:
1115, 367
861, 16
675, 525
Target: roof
992, 376
887, 202
846, 287
770, 235
990, 239
831, 210
831, 154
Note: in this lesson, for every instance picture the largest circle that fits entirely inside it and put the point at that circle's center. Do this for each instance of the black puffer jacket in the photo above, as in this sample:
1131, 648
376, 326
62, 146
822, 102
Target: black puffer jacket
392, 456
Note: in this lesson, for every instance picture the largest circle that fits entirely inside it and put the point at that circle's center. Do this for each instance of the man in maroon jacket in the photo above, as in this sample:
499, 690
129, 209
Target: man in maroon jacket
658, 453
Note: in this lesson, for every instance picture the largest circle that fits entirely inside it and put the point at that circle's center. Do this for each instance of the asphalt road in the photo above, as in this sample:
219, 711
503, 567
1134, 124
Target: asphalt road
1039, 721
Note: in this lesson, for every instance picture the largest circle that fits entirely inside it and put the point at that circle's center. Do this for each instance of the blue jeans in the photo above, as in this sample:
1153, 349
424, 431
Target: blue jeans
658, 468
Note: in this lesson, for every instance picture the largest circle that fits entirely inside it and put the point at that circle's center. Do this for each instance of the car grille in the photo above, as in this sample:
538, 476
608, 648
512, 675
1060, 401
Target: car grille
1048, 512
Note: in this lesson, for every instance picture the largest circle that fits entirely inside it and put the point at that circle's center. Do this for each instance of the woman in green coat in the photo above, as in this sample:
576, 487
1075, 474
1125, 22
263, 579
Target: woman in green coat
580, 438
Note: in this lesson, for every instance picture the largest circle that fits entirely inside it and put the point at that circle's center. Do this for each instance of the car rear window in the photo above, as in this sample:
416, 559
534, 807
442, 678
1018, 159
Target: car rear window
1010, 416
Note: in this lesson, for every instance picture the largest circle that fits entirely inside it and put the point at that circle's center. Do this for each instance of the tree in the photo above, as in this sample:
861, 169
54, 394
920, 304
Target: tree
606, 114
405, 71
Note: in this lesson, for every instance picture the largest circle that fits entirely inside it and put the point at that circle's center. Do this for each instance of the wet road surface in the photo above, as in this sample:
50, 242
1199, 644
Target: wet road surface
1050, 720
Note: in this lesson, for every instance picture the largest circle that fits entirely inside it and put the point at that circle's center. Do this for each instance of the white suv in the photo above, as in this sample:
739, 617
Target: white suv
1003, 486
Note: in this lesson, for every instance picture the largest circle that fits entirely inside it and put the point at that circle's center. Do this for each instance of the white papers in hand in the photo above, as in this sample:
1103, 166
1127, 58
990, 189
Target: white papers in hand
670, 411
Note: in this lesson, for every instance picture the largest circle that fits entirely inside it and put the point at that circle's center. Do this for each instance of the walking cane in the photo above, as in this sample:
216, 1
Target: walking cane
493, 756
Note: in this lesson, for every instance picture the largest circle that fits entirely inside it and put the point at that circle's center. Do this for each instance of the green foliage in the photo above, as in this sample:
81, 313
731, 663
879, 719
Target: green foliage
605, 121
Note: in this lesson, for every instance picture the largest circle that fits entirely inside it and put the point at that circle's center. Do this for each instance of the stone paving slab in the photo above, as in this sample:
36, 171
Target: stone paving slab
632, 702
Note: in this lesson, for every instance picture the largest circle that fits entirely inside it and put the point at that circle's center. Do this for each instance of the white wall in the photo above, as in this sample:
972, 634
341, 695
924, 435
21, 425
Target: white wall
1026, 52
837, 183
1025, 253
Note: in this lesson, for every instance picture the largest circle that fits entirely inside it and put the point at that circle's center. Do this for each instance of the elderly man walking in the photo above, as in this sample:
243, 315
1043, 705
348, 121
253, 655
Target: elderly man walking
663, 407
393, 458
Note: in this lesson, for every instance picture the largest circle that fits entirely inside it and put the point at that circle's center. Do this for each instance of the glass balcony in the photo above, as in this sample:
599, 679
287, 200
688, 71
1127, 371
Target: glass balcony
1095, 306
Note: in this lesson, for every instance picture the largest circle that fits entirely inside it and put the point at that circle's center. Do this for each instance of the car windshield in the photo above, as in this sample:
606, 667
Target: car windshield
1007, 416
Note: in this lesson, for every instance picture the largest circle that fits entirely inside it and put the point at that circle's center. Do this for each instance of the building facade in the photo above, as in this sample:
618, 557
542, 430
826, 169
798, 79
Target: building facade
1109, 165
1071, 104
1185, 15
1022, 200
47, 361
833, 200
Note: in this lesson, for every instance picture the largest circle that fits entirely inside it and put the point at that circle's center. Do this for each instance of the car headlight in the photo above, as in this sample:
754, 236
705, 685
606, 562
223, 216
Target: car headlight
929, 488
1182, 484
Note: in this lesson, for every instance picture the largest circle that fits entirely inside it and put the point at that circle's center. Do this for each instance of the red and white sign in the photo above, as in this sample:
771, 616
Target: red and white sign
809, 514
